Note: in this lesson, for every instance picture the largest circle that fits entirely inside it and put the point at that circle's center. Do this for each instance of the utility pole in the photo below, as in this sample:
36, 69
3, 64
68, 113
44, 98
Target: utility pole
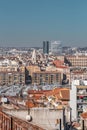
11, 123
83, 127
64, 119
70, 114
60, 127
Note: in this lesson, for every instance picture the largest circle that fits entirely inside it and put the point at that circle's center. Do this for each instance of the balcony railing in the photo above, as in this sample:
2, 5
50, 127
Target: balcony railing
8, 122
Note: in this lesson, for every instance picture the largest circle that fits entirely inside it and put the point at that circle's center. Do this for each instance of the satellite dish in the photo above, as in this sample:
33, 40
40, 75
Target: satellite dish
29, 118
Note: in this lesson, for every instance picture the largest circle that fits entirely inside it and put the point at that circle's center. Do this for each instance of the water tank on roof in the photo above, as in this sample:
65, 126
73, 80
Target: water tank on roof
4, 100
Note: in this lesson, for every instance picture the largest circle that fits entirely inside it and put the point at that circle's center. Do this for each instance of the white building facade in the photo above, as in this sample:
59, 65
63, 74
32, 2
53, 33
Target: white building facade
78, 98
56, 47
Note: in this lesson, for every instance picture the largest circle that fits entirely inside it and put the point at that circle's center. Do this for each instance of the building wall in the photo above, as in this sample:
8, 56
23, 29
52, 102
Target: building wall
32, 69
8, 122
78, 98
73, 99
8, 68
46, 77
10, 78
77, 61
82, 76
44, 117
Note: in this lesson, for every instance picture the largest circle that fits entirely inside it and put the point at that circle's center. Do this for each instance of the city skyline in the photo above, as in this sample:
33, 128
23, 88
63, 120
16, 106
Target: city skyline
28, 23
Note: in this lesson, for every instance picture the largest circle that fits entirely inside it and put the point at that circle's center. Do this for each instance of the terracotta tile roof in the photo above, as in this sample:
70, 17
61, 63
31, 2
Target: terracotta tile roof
42, 92
48, 93
62, 67
84, 115
59, 64
38, 94
60, 93
65, 94
30, 104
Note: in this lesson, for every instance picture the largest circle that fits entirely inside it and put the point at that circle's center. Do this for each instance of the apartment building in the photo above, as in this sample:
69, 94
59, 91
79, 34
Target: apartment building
79, 74
78, 98
12, 77
47, 77
32, 68
76, 61
11, 72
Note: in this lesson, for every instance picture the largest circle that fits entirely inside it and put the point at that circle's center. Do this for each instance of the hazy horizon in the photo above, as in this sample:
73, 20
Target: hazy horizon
28, 23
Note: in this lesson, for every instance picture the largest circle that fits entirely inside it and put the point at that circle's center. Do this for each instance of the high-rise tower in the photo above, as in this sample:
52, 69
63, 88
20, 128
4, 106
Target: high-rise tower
46, 47
56, 47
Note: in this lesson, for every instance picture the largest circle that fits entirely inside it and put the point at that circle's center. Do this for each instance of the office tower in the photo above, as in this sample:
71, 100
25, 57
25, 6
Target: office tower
56, 47
46, 47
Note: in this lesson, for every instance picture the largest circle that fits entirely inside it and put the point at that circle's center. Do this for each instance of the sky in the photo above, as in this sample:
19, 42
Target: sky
27, 23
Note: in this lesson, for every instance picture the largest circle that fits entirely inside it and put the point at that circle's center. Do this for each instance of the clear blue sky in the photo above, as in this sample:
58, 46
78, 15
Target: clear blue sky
29, 22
